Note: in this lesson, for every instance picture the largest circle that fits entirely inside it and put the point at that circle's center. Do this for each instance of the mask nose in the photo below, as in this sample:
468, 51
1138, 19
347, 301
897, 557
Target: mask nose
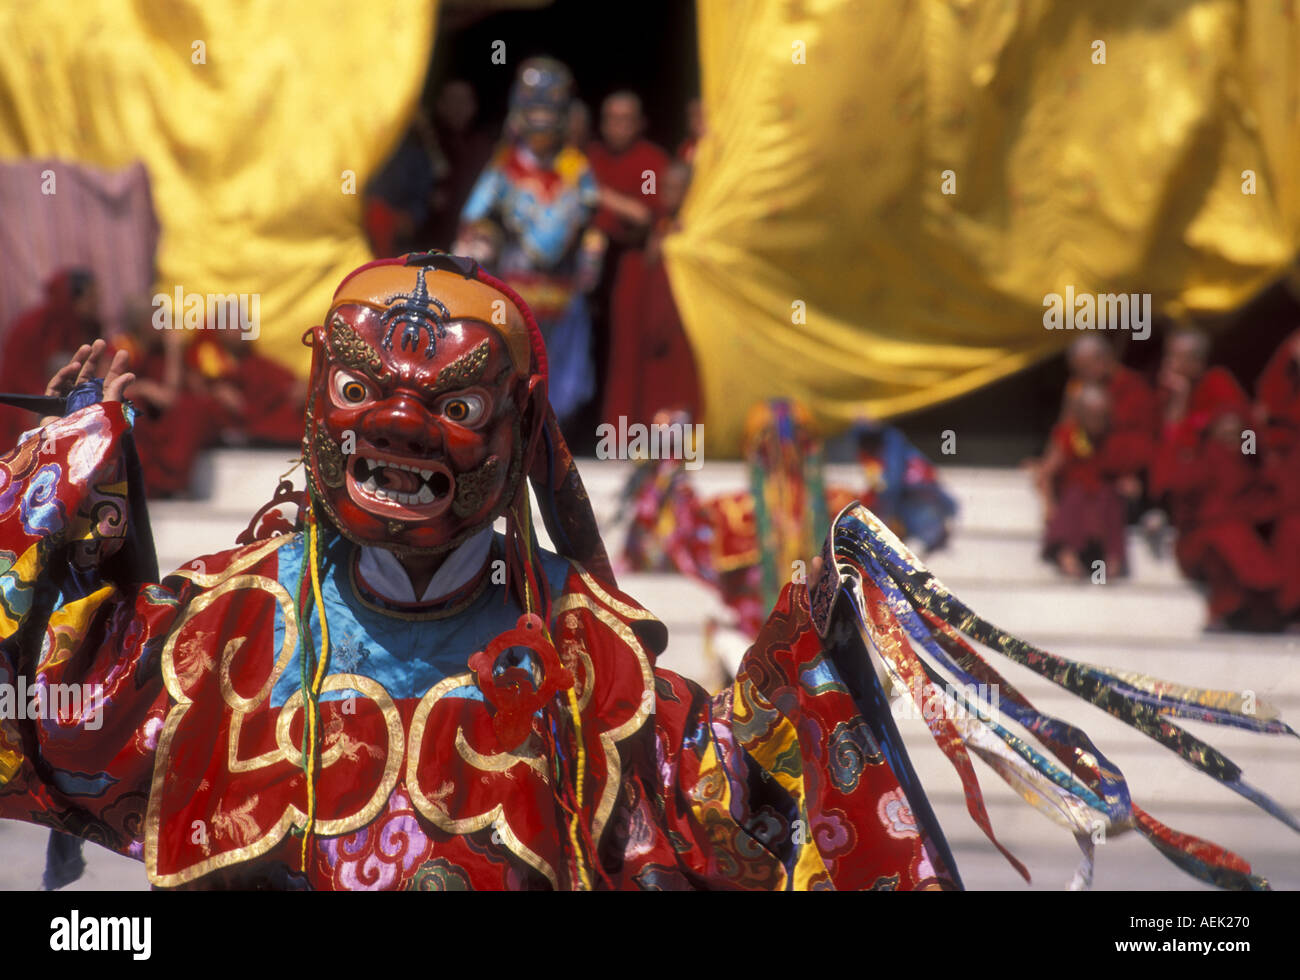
401, 425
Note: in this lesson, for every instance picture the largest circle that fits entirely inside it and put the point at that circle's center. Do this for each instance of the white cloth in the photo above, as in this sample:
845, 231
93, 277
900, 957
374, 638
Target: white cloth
384, 574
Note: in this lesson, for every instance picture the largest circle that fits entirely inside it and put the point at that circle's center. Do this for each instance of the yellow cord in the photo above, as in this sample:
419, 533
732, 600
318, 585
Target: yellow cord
310, 707
584, 876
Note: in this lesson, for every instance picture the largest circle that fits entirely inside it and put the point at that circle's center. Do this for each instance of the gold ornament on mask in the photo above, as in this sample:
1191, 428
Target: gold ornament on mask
466, 370
472, 487
349, 349
329, 458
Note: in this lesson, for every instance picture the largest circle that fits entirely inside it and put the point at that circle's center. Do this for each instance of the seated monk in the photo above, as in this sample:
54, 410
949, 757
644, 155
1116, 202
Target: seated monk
1278, 408
1080, 479
175, 418
1131, 431
1220, 497
41, 340
1188, 389
262, 401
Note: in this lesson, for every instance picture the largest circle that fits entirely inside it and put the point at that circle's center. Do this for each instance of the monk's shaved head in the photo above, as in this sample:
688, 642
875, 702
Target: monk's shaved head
1091, 358
623, 99
621, 120
1192, 340
1091, 343
1187, 352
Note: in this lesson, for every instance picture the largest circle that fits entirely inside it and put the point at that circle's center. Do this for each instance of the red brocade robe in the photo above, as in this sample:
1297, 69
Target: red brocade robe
188, 757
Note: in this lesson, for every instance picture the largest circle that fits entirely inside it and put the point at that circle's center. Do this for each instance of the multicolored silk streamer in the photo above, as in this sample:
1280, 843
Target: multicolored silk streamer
918, 628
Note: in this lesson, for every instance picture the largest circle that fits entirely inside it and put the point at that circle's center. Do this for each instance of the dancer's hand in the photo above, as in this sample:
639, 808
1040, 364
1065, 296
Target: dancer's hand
84, 366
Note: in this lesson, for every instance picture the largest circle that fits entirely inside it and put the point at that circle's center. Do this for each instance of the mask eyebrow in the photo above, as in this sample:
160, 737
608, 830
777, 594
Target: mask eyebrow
466, 370
347, 347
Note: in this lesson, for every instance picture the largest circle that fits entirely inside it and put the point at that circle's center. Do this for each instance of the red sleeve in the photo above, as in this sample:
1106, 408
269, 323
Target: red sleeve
1177, 467
1278, 391
1130, 444
79, 652
659, 162
782, 778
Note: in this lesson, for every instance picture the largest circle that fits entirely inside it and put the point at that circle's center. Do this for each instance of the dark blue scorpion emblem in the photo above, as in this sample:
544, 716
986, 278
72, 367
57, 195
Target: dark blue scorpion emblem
417, 313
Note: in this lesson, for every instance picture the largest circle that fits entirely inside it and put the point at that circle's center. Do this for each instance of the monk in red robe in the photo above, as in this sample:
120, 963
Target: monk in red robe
262, 401
1188, 389
1086, 463
694, 132
621, 159
1131, 429
651, 365
175, 419
628, 169
43, 339
1218, 494
1278, 408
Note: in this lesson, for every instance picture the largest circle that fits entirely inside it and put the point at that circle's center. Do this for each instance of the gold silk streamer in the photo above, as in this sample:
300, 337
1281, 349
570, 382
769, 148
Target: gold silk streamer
259, 122
821, 259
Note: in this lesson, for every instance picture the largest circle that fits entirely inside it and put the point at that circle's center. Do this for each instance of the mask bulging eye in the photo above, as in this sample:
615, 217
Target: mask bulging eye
463, 409
349, 389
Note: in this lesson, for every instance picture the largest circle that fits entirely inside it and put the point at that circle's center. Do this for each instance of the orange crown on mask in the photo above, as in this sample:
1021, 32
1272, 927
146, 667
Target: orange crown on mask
462, 289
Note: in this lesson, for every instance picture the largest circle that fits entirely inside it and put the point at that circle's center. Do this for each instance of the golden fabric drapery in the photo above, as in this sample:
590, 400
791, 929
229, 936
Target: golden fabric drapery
818, 193
259, 122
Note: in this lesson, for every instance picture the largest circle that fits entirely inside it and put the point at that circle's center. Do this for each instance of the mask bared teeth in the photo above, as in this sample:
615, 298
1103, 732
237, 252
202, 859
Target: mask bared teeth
403, 481
375, 474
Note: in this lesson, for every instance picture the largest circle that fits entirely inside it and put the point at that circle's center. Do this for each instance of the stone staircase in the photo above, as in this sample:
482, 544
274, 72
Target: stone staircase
1150, 622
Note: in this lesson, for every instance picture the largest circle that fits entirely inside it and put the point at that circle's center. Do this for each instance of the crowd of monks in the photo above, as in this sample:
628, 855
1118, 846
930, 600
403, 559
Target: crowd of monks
1193, 450
193, 390
643, 359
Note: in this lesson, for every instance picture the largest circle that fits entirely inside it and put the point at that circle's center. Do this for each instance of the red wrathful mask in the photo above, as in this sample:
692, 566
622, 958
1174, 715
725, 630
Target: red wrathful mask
426, 397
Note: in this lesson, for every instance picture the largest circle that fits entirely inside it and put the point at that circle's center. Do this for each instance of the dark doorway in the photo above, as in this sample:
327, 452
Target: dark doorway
648, 48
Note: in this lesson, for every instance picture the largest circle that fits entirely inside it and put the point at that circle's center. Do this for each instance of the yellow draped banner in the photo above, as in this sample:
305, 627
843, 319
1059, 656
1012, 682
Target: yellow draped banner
890, 188
259, 122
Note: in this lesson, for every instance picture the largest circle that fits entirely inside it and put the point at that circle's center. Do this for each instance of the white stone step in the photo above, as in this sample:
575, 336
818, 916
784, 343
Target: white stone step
1124, 862
1026, 610
1013, 556
22, 862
